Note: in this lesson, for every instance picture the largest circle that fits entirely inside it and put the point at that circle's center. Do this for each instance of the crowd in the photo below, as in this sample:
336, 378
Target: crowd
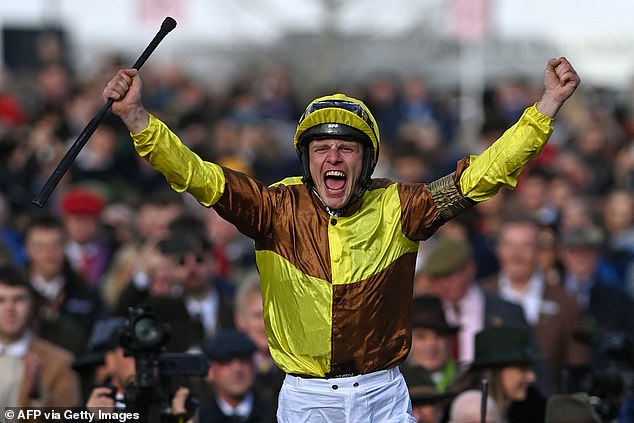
543, 274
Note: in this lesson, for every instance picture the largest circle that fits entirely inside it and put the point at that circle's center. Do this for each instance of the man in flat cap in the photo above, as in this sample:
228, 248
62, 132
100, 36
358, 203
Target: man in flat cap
451, 270
232, 374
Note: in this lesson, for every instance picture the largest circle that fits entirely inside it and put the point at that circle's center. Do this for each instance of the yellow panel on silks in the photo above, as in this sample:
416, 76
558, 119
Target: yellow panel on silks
366, 243
298, 316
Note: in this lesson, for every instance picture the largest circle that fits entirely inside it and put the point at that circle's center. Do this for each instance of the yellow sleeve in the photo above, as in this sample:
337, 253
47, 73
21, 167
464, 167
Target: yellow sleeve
182, 168
501, 163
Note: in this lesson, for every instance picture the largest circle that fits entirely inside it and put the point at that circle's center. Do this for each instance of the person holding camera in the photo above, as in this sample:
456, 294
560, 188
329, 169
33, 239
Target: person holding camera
335, 248
114, 367
108, 403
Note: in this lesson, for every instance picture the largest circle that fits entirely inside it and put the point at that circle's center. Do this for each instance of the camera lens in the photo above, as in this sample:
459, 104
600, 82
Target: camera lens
148, 332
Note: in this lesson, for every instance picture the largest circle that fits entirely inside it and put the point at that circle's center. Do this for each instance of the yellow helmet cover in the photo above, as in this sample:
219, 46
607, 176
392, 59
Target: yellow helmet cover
341, 109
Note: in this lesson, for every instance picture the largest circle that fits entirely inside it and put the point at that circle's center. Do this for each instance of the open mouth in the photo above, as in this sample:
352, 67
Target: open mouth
335, 180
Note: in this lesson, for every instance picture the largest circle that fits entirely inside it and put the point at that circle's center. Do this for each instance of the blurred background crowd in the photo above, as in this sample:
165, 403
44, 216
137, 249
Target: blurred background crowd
113, 235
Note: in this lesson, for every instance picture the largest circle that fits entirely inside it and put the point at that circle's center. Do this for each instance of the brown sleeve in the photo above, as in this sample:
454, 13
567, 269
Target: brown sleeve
246, 203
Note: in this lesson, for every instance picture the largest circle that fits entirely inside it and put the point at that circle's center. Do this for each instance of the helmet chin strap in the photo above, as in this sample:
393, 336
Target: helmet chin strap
340, 211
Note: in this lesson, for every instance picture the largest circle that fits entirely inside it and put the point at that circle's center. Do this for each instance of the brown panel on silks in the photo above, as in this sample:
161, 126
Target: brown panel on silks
294, 222
378, 307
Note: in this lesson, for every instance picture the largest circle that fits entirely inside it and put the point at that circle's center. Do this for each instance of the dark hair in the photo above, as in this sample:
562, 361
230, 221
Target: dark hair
45, 220
14, 276
162, 196
520, 217
190, 225
517, 218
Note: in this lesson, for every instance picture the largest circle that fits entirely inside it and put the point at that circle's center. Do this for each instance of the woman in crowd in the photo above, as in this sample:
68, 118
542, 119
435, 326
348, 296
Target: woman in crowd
504, 358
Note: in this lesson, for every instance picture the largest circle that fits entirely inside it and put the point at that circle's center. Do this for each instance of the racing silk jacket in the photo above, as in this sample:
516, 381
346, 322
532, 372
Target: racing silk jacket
337, 290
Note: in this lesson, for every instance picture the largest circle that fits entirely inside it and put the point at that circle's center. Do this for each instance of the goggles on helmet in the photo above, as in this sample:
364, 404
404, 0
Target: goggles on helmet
350, 106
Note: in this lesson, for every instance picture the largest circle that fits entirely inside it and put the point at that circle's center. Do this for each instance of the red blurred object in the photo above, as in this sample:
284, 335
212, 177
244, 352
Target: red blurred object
81, 201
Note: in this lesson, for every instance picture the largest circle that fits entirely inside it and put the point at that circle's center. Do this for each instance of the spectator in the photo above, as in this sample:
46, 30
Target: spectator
485, 221
9, 236
549, 258
595, 144
232, 374
132, 261
409, 164
32, 160
431, 341
467, 408
617, 258
101, 160
532, 196
576, 212
249, 317
451, 271
88, 253
91, 366
66, 306
604, 307
548, 308
34, 371
383, 99
505, 358
118, 219
233, 251
54, 84
428, 403
196, 307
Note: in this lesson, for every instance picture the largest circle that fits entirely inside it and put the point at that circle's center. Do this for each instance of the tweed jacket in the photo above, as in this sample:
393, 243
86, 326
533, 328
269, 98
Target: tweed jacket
59, 382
